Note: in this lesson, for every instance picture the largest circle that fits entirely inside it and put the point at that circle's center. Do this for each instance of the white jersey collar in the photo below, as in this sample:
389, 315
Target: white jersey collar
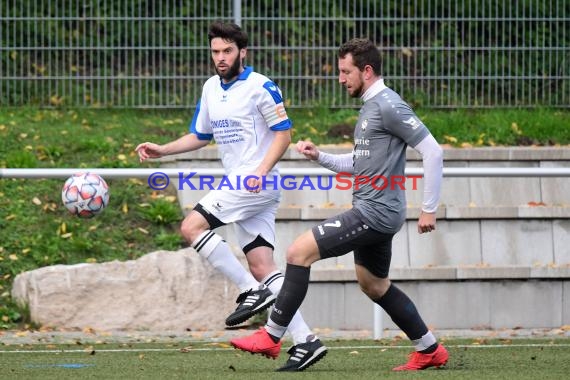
373, 90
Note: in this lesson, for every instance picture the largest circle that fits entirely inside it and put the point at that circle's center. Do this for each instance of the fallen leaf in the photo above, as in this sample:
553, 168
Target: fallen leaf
536, 204
407, 52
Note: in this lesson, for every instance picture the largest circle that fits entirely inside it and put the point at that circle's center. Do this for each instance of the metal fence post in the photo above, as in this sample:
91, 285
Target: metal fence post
237, 12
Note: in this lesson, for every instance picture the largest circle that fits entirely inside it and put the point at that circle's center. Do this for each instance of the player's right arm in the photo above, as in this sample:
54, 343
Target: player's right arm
186, 143
336, 162
200, 135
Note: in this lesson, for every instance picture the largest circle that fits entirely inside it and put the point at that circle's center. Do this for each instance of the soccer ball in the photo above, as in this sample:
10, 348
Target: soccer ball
85, 194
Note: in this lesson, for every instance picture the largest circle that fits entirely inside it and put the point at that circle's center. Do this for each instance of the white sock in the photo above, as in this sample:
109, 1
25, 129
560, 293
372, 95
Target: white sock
213, 248
424, 342
298, 327
274, 329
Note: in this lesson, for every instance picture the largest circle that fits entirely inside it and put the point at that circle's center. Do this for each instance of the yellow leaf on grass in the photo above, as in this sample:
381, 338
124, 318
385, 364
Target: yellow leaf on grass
125, 208
36, 201
56, 100
13, 257
516, 129
143, 230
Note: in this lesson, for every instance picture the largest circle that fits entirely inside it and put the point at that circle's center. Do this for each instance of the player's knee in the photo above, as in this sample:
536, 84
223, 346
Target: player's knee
297, 256
259, 255
190, 230
374, 289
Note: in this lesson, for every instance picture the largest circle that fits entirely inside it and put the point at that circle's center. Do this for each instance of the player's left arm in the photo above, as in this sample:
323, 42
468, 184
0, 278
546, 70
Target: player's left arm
275, 152
404, 123
273, 111
432, 158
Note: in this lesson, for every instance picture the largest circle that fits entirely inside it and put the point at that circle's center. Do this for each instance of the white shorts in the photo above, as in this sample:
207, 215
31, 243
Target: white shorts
253, 214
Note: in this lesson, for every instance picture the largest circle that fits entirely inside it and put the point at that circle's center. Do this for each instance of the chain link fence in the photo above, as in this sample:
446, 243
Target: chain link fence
151, 54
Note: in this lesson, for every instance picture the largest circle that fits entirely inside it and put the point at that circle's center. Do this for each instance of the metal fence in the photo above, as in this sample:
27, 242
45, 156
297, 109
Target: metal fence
151, 54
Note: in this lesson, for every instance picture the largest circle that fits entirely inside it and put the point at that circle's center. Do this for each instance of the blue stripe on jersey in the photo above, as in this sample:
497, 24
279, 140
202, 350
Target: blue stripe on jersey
282, 126
272, 88
201, 136
242, 76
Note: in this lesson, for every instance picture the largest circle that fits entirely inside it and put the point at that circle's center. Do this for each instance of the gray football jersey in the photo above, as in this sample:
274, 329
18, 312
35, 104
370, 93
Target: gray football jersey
386, 126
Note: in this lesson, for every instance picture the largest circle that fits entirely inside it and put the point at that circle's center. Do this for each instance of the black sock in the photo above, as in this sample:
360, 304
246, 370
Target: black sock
403, 312
291, 295
430, 349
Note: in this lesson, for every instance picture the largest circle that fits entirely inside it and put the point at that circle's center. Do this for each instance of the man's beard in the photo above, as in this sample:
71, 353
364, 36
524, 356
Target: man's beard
232, 72
358, 93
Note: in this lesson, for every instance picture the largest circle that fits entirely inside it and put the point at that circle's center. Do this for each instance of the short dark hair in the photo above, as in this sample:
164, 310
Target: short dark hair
229, 32
364, 52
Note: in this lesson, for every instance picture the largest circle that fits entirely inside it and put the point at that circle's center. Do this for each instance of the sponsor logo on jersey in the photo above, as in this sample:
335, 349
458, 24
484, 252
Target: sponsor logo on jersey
364, 124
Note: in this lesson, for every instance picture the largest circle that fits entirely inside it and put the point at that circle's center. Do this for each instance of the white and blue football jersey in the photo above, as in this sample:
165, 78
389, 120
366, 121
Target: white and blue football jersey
240, 116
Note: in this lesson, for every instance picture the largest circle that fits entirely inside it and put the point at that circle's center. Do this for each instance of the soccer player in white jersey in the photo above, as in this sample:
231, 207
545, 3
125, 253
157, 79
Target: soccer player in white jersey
243, 112
386, 126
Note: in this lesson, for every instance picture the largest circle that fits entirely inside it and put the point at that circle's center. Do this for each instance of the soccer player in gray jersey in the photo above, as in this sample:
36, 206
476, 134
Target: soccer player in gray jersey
385, 127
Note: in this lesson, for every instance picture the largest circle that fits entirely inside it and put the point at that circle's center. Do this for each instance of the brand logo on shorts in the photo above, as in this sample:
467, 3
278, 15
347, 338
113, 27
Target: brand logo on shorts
336, 224
217, 206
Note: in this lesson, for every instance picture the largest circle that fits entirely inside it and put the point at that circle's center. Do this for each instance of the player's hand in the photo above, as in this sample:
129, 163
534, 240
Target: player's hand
426, 222
255, 183
308, 149
148, 150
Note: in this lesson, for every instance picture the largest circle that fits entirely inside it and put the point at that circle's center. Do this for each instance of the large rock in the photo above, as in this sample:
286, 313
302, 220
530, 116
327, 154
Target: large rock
159, 291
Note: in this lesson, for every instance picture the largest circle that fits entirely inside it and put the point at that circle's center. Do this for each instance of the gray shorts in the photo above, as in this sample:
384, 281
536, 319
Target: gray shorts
348, 232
